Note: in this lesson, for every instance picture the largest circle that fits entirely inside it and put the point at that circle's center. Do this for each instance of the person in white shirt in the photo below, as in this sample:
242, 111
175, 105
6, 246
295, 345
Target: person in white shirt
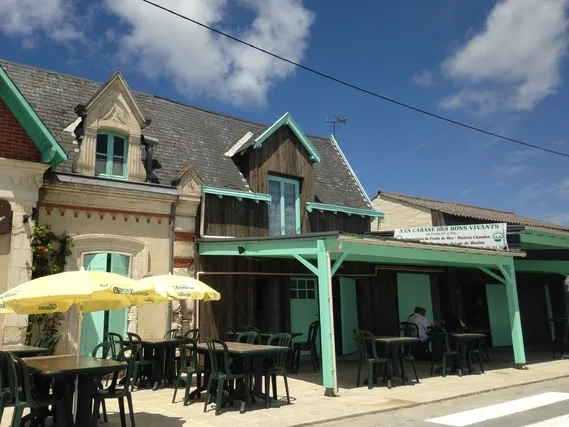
419, 318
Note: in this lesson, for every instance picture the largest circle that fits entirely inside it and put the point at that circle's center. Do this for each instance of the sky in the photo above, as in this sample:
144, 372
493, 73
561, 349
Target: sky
498, 65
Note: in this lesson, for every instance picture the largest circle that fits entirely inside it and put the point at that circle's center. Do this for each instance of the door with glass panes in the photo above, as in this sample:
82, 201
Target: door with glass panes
98, 323
304, 307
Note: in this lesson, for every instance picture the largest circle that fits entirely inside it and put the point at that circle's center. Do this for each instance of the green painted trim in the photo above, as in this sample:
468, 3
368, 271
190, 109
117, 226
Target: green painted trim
282, 181
283, 248
426, 256
509, 273
310, 206
307, 264
493, 275
543, 239
238, 194
110, 155
51, 151
337, 263
546, 267
287, 119
326, 318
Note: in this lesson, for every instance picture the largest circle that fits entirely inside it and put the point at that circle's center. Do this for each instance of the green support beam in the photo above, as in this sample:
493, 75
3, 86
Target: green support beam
307, 264
338, 263
326, 321
547, 240
494, 275
427, 256
545, 267
509, 273
285, 248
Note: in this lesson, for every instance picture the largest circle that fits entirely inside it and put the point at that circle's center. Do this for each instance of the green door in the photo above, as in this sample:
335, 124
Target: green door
98, 323
499, 315
349, 312
413, 290
303, 307
92, 329
117, 319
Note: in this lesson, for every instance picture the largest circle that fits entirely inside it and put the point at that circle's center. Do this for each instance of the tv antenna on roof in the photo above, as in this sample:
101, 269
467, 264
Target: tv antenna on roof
335, 122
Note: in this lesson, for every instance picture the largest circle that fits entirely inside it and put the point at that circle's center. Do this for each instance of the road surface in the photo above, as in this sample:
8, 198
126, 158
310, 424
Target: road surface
544, 404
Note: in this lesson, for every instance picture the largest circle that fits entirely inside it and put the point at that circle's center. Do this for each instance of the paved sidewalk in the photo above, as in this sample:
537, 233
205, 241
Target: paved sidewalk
309, 405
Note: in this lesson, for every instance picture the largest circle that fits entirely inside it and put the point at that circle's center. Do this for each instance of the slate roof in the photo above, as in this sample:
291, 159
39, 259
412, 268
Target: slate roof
469, 211
189, 136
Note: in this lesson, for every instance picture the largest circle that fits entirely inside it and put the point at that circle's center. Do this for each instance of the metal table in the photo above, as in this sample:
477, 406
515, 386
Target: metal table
24, 350
392, 346
246, 352
64, 370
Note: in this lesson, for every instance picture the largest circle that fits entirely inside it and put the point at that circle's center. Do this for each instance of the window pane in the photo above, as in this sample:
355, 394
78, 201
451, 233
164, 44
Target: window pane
275, 208
310, 284
118, 167
310, 295
102, 143
301, 294
290, 208
100, 164
118, 146
293, 295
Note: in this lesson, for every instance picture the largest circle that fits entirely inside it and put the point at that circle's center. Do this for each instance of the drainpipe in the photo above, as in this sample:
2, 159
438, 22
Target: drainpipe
171, 260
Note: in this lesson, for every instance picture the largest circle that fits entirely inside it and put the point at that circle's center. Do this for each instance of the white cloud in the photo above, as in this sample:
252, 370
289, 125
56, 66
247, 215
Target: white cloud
558, 189
523, 155
510, 170
513, 63
424, 78
33, 19
203, 63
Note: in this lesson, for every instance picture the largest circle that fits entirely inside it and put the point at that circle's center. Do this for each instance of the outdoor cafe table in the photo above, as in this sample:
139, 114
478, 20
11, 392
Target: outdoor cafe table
246, 352
64, 369
462, 339
24, 350
163, 353
392, 350
290, 357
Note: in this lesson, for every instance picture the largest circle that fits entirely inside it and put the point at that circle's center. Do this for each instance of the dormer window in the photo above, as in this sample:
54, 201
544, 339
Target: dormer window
110, 161
284, 210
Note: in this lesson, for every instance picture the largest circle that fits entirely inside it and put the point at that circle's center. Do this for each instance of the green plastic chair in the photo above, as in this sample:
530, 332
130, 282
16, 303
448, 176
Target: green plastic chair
278, 366
189, 365
142, 366
221, 373
51, 345
127, 354
250, 337
105, 350
117, 342
27, 397
368, 356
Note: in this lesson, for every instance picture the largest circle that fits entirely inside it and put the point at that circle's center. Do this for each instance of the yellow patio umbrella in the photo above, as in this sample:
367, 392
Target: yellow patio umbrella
171, 287
87, 290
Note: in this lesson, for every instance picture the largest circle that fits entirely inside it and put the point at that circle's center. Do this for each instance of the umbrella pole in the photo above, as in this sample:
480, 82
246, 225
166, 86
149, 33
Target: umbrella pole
78, 354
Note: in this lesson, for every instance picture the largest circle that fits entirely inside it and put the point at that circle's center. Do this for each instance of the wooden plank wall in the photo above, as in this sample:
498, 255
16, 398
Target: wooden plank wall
330, 221
377, 303
228, 216
283, 154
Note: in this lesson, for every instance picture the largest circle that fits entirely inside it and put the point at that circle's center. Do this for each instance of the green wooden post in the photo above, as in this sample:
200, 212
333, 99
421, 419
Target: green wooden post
326, 321
514, 309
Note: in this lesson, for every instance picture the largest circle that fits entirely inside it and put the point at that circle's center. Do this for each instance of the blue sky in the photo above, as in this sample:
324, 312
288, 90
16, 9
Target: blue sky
500, 65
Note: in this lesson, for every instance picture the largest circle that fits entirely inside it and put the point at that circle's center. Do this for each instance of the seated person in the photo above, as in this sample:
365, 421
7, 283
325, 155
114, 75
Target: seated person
419, 318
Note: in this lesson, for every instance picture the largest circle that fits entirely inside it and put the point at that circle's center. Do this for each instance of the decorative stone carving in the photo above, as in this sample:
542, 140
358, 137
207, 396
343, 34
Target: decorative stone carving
113, 111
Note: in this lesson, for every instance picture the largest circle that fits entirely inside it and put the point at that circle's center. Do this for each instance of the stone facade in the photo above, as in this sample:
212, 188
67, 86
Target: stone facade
400, 215
20, 182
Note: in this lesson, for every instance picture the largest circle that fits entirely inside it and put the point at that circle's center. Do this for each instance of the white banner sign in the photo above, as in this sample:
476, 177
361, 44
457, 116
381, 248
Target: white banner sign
490, 236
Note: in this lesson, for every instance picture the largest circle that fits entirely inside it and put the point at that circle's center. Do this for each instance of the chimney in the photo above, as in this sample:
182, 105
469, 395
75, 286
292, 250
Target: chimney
149, 143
